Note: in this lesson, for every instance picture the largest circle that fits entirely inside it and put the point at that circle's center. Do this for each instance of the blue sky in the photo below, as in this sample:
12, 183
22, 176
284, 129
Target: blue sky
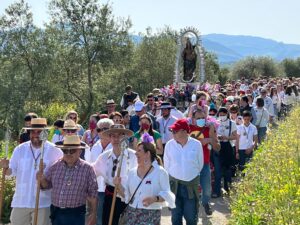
275, 19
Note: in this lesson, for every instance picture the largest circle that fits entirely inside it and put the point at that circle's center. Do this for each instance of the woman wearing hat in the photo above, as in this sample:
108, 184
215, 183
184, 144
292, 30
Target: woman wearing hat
147, 190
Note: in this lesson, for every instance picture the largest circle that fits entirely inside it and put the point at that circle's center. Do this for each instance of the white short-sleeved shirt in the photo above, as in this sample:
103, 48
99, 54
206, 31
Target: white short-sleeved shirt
96, 150
156, 183
246, 134
183, 162
224, 127
262, 117
22, 165
104, 165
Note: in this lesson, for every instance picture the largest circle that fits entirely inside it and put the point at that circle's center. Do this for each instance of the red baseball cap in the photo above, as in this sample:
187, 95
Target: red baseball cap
180, 124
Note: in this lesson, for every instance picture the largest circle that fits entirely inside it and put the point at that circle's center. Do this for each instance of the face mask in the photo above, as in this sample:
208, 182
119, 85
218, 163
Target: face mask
222, 118
200, 122
58, 132
202, 102
145, 126
92, 125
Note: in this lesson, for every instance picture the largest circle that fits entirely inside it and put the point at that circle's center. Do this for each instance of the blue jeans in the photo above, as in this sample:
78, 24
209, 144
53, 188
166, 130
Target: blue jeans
261, 134
101, 196
185, 207
243, 158
205, 183
217, 173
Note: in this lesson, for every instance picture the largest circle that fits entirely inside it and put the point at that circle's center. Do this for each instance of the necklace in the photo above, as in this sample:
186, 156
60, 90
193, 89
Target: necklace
35, 158
69, 175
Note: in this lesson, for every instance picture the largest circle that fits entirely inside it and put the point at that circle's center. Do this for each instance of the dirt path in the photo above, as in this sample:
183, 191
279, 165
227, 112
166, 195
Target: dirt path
220, 214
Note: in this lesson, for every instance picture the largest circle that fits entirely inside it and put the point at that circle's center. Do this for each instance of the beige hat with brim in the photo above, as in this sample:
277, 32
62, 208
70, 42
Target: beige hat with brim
70, 125
37, 124
117, 128
72, 142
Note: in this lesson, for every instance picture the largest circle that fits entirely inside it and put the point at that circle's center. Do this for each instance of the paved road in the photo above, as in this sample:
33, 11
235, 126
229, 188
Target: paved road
220, 214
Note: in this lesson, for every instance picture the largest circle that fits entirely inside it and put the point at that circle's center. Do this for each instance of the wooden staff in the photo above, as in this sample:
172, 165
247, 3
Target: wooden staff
43, 138
123, 145
7, 137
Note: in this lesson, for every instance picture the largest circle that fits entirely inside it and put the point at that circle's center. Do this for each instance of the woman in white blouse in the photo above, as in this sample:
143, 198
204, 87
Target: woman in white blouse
146, 200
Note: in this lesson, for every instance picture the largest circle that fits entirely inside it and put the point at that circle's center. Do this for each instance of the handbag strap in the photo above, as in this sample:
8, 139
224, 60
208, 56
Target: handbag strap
139, 185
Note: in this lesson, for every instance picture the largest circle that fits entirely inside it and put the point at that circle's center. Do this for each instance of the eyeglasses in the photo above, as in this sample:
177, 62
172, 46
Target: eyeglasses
69, 151
117, 120
102, 129
150, 100
70, 131
115, 163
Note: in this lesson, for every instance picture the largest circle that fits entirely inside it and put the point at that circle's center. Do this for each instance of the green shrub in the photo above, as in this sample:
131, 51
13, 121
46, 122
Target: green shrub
270, 191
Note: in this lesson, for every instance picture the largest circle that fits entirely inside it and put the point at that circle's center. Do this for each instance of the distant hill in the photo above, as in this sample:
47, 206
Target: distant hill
231, 48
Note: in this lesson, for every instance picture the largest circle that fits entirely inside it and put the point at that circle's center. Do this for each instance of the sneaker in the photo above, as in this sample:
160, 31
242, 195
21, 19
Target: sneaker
207, 209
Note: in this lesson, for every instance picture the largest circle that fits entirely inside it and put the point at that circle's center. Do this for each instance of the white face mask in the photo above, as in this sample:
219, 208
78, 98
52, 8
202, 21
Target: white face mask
222, 118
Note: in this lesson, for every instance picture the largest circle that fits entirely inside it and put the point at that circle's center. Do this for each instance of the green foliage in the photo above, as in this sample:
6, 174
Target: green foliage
7, 199
291, 67
253, 67
270, 191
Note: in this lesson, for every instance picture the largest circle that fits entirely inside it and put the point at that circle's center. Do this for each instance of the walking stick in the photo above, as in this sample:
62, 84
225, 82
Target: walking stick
123, 145
43, 138
7, 137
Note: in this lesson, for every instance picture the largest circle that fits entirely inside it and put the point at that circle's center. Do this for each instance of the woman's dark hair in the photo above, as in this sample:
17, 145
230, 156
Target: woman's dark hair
223, 110
124, 113
272, 91
149, 147
59, 123
247, 114
145, 116
260, 102
288, 90
294, 87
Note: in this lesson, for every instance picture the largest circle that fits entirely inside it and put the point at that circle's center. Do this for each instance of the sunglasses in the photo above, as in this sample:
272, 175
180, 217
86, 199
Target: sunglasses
70, 131
73, 118
102, 129
212, 114
69, 151
115, 163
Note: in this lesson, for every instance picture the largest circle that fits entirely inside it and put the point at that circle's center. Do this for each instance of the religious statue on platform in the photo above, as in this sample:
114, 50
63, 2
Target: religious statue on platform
189, 57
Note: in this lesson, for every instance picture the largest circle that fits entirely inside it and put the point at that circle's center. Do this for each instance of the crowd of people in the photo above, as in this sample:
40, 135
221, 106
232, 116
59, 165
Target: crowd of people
180, 137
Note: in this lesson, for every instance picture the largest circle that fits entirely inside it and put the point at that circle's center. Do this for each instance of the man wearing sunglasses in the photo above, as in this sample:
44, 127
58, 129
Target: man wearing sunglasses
71, 128
99, 147
183, 160
107, 165
73, 182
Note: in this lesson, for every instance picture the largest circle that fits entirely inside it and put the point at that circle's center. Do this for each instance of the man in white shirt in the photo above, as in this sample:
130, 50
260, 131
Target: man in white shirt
98, 148
246, 140
183, 160
175, 112
24, 164
107, 165
165, 121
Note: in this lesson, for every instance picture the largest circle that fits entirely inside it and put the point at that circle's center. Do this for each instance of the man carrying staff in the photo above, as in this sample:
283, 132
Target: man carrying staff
107, 164
24, 165
73, 182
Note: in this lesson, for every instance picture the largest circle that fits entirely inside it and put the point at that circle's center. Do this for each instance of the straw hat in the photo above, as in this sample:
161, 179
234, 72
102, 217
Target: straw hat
37, 124
70, 125
117, 128
71, 142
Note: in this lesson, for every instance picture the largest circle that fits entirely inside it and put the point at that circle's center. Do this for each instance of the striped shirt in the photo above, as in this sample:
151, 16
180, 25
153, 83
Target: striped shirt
71, 185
